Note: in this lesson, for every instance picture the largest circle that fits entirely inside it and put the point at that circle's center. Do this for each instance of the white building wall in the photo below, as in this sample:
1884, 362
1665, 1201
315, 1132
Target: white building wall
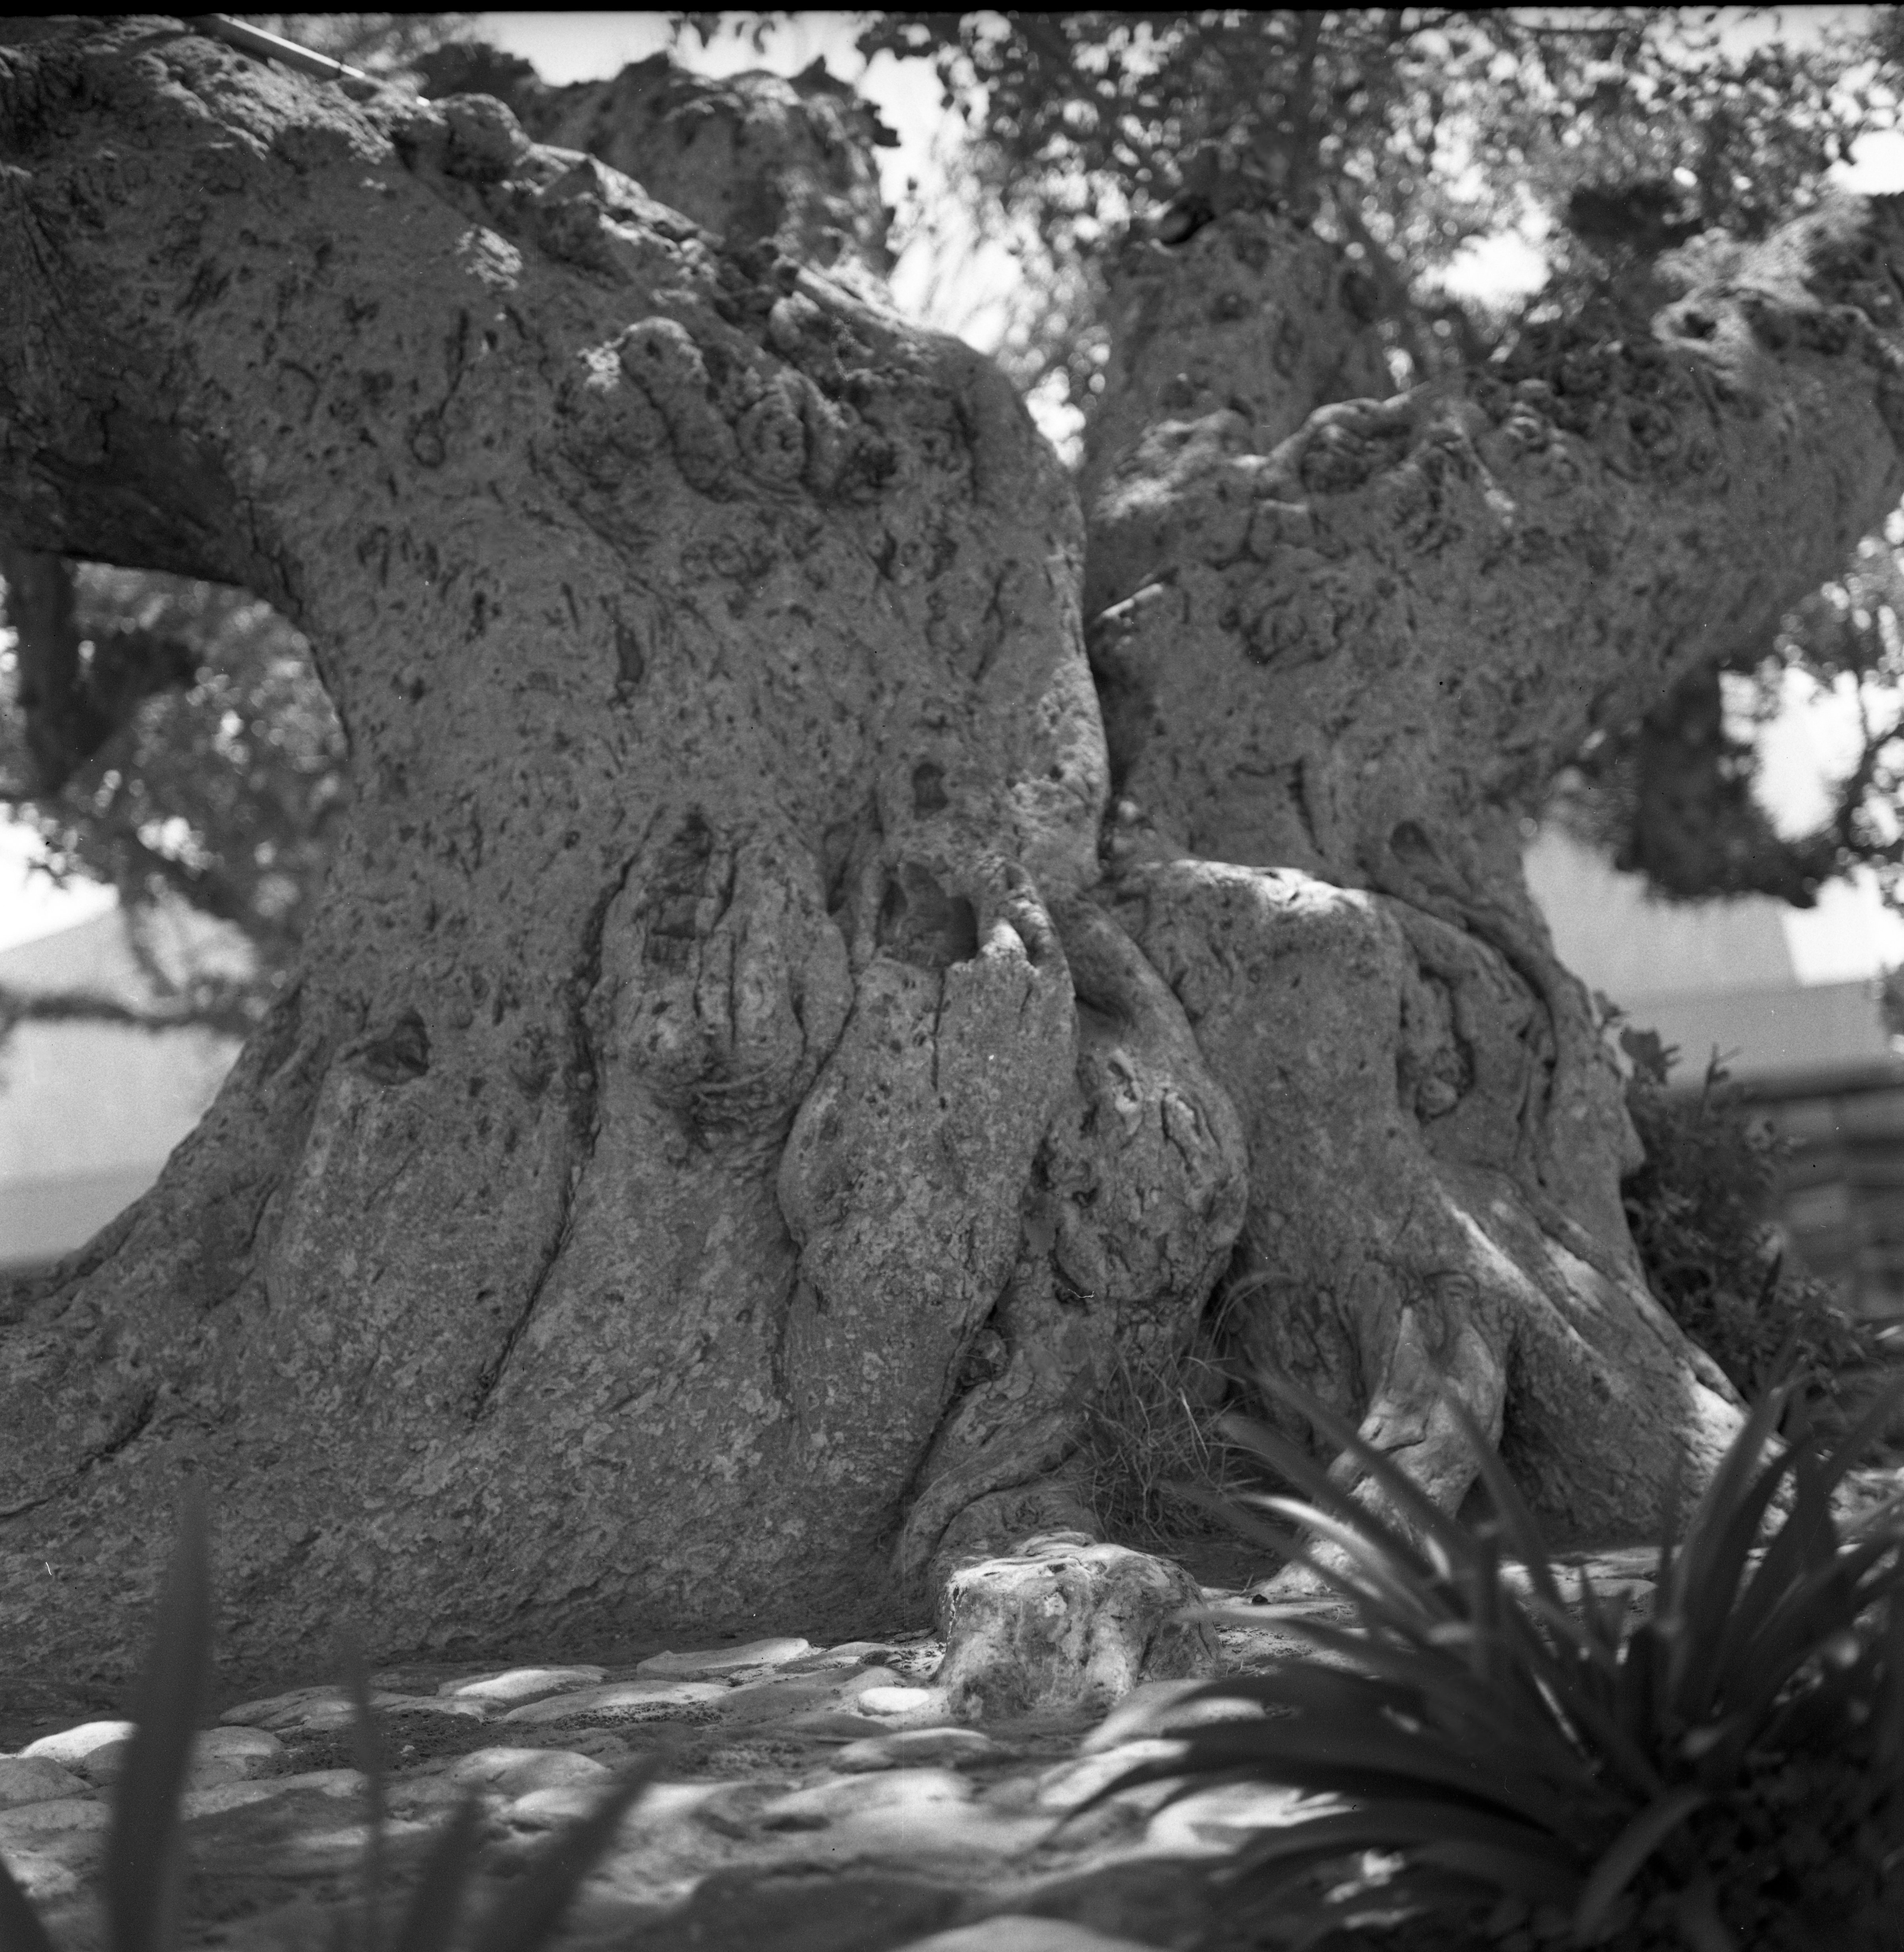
90, 1111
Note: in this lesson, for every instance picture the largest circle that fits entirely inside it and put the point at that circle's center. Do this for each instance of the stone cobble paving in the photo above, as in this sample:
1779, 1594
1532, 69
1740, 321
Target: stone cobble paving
812, 1799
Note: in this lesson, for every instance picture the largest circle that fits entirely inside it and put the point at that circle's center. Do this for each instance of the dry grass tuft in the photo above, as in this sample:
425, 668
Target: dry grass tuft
1154, 1441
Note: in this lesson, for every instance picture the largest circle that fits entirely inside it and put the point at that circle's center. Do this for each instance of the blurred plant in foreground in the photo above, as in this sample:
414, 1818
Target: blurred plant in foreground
1509, 1768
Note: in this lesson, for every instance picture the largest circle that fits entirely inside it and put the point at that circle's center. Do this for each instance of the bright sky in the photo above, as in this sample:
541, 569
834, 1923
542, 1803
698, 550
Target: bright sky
1849, 934
29, 905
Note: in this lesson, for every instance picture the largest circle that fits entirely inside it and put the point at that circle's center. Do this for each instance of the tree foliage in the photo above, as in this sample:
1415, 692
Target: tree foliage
1606, 133
1674, 797
218, 788
1700, 1209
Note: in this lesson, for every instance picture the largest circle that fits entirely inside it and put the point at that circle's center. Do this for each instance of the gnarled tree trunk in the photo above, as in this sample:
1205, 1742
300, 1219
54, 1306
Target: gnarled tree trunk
746, 1088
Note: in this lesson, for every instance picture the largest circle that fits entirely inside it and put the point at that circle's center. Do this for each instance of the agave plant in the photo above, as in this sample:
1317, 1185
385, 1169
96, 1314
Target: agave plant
1497, 1760
144, 1850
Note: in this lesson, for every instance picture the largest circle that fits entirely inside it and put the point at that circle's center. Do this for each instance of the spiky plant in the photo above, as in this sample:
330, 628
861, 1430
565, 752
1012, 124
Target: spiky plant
144, 1847
1503, 1765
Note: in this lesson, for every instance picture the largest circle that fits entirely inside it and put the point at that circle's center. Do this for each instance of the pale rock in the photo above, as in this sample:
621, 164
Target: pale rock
667, 1803
36, 1779
867, 1679
424, 1796
223, 1796
40, 1874
840, 1800
417, 1680
849, 1654
966, 1838
906, 1816
334, 1783
97, 1750
57, 1814
911, 1707
768, 1700
554, 1808
517, 1772
314, 1710
214, 1799
913, 1748
626, 1698
1019, 1934
723, 1660
833, 1724
94, 1750
451, 1705
521, 1684
1063, 1626
232, 1754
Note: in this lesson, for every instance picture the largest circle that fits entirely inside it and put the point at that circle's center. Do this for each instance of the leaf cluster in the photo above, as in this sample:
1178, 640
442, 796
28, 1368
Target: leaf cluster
144, 1853
1405, 134
1675, 796
1699, 1212
224, 793
1522, 1768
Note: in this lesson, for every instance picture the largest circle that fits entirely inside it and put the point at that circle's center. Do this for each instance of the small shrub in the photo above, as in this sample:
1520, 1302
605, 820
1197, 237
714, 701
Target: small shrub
1154, 1428
144, 1848
1700, 1212
1504, 1769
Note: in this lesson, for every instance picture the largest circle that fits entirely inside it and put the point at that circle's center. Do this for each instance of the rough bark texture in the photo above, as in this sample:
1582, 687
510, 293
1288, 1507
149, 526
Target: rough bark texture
753, 156
1268, 324
1353, 657
730, 1120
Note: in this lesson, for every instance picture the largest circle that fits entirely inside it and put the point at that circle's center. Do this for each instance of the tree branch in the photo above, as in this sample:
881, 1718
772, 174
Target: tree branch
72, 703
254, 40
228, 1008
62, 724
